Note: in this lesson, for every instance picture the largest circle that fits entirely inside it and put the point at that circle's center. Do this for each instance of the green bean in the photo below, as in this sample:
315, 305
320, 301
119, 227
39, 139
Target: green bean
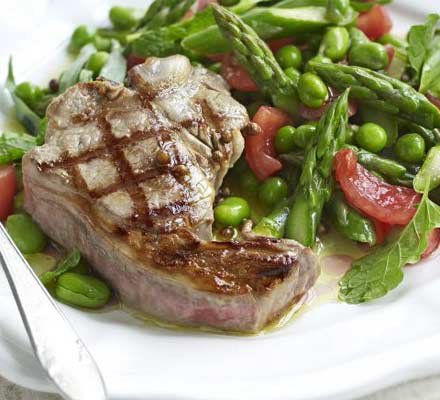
312, 90
348, 222
26, 234
369, 55
82, 290
383, 166
336, 43
357, 36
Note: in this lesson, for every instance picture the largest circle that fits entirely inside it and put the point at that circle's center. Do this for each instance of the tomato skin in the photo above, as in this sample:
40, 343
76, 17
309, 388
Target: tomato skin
382, 230
433, 243
433, 100
313, 114
375, 23
133, 60
237, 77
276, 44
390, 52
259, 149
8, 188
394, 205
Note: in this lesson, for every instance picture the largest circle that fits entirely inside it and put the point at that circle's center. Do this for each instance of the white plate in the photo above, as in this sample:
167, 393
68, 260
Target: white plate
331, 351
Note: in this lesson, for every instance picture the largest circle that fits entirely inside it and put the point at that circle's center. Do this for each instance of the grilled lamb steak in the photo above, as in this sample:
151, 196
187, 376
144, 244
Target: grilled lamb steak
129, 176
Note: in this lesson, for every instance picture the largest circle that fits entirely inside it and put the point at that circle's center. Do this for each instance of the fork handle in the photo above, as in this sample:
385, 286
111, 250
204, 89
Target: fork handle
60, 351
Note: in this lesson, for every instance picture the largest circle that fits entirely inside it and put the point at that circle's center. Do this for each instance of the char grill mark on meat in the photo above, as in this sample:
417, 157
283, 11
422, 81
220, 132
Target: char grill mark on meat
129, 176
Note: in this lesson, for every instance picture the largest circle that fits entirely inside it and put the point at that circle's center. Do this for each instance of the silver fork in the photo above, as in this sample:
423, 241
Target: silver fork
60, 351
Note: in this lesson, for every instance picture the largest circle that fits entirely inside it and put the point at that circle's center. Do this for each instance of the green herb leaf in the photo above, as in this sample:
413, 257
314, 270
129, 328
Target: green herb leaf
430, 79
430, 171
24, 114
41, 136
13, 146
420, 39
164, 12
71, 75
66, 264
115, 68
375, 274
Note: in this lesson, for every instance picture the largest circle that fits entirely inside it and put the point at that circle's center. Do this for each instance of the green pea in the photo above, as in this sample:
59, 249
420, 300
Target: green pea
371, 137
82, 290
26, 234
410, 148
232, 211
19, 202
293, 74
249, 183
284, 139
97, 61
101, 43
123, 17
304, 135
80, 37
289, 56
320, 59
336, 43
312, 90
272, 191
29, 93
369, 55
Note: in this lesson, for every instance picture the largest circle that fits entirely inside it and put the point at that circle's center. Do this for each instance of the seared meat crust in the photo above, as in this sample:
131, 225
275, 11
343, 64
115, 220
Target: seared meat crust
129, 176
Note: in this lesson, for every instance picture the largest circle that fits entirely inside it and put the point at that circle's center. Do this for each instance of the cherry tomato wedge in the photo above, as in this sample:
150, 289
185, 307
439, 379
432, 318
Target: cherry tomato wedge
133, 60
433, 243
259, 149
375, 22
8, 187
237, 77
394, 205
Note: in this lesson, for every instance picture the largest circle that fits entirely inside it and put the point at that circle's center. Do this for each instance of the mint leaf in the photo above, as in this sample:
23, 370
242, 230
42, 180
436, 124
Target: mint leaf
419, 40
24, 114
375, 274
67, 263
430, 78
13, 146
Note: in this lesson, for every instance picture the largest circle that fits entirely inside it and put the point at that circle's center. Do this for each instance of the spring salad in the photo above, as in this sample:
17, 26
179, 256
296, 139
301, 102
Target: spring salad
345, 132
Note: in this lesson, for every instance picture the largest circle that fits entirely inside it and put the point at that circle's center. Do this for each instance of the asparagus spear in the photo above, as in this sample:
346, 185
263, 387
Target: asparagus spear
381, 92
315, 184
268, 22
164, 12
274, 223
253, 54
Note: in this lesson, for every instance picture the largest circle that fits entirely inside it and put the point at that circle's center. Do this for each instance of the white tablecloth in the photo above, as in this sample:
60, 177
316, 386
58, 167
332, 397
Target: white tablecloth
423, 389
